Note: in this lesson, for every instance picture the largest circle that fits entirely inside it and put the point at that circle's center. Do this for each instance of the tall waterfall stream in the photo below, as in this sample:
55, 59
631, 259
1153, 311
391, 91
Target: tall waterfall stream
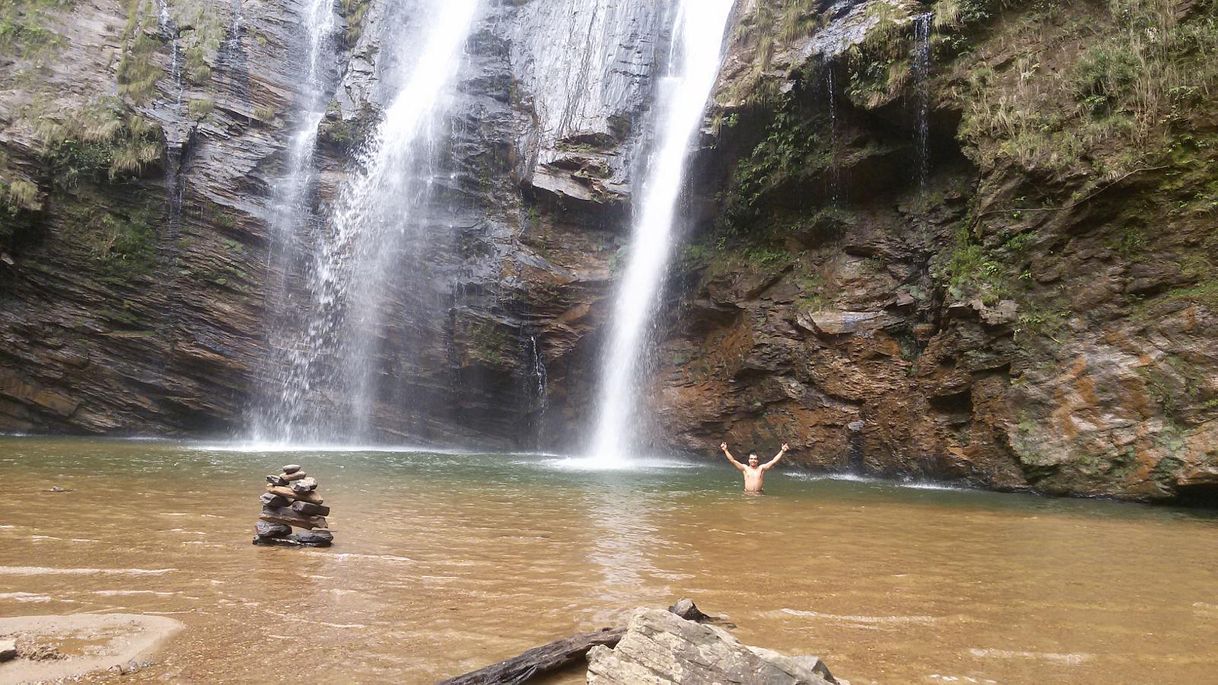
693, 66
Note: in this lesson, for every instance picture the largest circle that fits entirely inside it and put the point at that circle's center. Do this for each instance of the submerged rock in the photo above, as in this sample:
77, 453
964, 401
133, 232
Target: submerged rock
661, 647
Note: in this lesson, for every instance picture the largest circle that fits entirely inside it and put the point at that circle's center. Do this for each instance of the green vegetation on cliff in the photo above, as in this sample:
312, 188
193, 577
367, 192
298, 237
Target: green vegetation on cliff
119, 236
101, 141
354, 12
1090, 90
24, 30
138, 70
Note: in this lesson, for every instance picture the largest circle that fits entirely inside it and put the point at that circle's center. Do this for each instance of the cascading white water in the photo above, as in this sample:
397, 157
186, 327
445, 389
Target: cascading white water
374, 220
278, 416
923, 28
168, 27
693, 67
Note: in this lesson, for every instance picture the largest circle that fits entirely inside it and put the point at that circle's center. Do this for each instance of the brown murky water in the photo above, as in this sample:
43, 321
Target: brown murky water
444, 563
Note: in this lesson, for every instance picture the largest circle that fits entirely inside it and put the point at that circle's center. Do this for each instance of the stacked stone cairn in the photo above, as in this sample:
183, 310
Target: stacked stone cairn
291, 501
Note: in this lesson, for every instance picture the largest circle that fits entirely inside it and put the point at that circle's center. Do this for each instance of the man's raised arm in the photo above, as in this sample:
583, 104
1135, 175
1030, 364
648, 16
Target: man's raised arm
738, 465
769, 464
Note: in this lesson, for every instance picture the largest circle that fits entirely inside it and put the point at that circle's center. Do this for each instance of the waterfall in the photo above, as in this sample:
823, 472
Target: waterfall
375, 241
923, 26
835, 169
277, 417
697, 43
168, 27
539, 372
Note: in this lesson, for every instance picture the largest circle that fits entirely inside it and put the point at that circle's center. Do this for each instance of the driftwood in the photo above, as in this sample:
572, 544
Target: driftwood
560, 654
539, 660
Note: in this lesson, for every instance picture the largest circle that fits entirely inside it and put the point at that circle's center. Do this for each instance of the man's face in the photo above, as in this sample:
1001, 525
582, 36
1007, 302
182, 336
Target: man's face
753, 460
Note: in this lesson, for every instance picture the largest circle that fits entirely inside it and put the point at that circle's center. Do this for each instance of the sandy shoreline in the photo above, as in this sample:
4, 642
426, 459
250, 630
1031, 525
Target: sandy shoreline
87, 643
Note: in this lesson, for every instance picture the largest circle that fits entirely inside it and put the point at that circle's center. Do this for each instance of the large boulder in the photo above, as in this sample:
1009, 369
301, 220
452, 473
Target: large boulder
661, 647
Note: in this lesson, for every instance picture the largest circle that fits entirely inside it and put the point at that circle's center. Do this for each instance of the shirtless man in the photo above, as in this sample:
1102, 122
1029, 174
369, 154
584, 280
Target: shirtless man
754, 475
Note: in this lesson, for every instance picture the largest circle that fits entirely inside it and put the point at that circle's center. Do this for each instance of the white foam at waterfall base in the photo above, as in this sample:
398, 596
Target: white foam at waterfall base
693, 67
855, 478
279, 412
591, 464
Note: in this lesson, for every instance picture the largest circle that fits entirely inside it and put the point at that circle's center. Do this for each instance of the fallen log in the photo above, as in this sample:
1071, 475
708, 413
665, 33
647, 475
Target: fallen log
539, 660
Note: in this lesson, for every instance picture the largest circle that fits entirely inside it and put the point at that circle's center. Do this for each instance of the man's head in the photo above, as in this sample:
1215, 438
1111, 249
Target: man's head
753, 460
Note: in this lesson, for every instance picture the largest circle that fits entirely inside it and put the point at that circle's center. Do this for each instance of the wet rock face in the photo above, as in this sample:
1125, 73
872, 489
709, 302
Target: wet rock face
131, 305
543, 128
1019, 319
134, 301
660, 647
585, 71
1009, 324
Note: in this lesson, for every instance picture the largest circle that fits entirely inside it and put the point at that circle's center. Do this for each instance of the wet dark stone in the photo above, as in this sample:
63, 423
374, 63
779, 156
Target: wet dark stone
686, 609
314, 538
281, 542
266, 529
310, 509
304, 485
276, 480
270, 499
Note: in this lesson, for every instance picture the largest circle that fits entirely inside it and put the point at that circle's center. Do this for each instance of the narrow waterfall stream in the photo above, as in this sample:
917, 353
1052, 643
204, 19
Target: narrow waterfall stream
278, 414
379, 219
923, 29
693, 67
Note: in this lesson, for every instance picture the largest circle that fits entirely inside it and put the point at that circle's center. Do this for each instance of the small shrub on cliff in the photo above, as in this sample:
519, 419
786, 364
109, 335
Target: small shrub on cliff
956, 14
102, 140
354, 12
118, 232
200, 38
23, 28
138, 71
880, 65
1148, 66
1103, 75
201, 108
972, 270
22, 194
790, 150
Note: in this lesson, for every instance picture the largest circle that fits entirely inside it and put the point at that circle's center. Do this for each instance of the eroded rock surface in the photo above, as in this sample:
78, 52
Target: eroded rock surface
660, 647
1011, 319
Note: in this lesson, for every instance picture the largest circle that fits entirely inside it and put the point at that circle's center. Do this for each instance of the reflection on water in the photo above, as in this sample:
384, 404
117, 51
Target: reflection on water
622, 537
444, 562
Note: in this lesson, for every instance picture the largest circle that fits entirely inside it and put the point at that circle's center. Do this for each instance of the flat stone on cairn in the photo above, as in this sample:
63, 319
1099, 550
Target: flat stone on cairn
291, 501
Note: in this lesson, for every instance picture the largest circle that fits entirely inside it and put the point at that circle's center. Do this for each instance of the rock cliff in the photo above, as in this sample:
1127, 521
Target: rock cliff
965, 239
981, 253
142, 144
